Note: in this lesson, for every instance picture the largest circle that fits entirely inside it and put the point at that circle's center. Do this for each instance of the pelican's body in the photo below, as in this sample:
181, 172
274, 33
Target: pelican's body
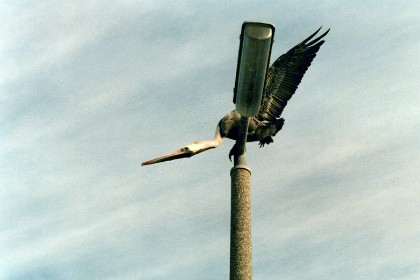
282, 80
257, 130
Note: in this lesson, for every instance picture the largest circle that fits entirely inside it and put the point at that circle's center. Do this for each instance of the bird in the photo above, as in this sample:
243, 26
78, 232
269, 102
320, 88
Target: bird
282, 80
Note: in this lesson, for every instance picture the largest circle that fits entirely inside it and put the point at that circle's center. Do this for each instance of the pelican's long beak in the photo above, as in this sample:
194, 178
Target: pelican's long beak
181, 153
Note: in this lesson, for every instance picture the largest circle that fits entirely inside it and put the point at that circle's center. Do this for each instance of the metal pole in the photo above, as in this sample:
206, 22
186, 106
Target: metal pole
240, 223
253, 60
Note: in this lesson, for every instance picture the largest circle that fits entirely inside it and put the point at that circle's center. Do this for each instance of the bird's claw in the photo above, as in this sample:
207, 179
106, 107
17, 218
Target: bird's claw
230, 155
233, 151
267, 140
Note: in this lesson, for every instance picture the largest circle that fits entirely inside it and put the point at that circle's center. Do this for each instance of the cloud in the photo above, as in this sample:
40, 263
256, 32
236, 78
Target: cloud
85, 100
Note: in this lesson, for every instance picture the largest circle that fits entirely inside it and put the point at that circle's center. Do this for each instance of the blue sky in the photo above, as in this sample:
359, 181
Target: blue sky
90, 89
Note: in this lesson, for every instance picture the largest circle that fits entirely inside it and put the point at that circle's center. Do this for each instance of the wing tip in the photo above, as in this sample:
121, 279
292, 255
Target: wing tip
316, 39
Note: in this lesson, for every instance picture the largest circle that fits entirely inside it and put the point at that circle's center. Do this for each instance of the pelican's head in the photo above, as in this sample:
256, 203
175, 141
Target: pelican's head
185, 152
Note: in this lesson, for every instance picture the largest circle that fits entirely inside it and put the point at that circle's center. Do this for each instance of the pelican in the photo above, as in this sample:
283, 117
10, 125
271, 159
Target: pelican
282, 80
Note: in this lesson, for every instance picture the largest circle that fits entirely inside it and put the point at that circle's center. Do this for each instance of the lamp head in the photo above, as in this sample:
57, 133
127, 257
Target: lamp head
253, 61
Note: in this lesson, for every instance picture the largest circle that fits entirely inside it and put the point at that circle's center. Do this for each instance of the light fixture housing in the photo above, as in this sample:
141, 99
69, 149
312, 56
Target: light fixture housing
253, 60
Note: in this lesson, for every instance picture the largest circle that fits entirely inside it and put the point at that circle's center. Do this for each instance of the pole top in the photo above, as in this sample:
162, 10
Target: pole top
240, 167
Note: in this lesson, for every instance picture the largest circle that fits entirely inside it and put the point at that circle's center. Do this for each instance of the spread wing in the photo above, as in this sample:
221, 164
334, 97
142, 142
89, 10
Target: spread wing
284, 76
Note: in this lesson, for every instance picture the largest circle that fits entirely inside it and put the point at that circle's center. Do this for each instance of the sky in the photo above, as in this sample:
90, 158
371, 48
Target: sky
90, 89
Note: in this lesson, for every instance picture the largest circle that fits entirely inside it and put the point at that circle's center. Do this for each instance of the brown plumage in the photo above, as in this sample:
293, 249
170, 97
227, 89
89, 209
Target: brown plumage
285, 75
282, 81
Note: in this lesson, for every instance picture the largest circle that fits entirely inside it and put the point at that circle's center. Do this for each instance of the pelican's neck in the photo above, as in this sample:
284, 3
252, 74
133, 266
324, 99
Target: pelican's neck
217, 139
201, 146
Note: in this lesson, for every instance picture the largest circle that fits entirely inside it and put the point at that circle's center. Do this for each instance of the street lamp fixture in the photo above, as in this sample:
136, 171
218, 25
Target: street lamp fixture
253, 61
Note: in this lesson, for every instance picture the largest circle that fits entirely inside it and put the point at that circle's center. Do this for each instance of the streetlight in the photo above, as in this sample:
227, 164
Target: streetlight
253, 61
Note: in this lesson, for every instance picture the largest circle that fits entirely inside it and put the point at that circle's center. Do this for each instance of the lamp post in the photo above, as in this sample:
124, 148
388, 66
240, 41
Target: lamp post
253, 60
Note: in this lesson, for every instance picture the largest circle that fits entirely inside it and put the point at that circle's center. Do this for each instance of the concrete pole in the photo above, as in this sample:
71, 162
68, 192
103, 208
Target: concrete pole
240, 222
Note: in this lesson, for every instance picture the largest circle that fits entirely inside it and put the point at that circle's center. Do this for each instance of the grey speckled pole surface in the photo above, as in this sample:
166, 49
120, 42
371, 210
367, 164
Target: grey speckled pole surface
240, 213
240, 225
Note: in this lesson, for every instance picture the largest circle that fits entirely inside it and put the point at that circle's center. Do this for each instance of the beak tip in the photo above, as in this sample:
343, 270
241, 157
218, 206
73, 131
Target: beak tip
182, 153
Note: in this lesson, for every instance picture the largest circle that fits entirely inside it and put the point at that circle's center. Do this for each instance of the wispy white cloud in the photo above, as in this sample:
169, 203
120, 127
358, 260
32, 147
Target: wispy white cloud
86, 99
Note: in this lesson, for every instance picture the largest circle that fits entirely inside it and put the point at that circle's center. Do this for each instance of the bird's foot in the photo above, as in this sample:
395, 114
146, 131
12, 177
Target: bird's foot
267, 140
233, 151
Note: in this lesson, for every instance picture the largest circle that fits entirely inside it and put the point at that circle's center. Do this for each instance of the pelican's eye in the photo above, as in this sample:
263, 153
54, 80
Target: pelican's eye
185, 149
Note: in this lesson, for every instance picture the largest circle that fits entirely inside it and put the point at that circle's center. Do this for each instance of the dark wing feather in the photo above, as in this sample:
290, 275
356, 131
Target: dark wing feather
284, 76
